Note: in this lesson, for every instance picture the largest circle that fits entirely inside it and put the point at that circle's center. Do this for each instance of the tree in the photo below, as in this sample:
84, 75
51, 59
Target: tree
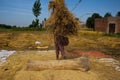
36, 11
118, 14
4, 26
61, 23
91, 20
96, 15
107, 15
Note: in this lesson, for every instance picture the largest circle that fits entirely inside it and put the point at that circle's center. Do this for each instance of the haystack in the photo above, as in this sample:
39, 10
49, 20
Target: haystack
61, 21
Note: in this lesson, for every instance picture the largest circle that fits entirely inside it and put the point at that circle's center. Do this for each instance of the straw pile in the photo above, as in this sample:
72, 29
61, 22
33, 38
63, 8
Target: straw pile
61, 21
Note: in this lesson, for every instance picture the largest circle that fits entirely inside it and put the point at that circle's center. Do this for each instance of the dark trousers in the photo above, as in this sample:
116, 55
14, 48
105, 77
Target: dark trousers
59, 48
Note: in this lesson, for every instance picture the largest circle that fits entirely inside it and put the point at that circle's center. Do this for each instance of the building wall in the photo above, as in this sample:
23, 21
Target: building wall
118, 25
103, 24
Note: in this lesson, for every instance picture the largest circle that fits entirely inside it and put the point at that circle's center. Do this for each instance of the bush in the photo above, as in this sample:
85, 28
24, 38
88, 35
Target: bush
112, 35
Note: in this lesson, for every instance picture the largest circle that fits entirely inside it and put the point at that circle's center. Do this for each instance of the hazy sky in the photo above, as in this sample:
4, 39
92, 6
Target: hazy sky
19, 12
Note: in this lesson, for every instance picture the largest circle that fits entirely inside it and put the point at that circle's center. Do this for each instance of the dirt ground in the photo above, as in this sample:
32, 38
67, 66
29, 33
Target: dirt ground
15, 68
24, 44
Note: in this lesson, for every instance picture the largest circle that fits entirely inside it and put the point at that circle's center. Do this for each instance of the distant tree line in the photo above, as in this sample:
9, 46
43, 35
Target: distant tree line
90, 23
4, 26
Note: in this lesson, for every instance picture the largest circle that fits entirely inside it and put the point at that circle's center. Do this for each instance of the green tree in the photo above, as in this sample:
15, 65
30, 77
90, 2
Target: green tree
108, 15
91, 20
118, 14
36, 11
4, 26
34, 23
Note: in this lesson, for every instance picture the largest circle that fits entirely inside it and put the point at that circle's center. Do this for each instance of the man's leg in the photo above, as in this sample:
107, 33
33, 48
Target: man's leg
62, 51
57, 51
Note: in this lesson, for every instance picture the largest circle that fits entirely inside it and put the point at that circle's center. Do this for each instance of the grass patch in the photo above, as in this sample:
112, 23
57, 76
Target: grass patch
112, 35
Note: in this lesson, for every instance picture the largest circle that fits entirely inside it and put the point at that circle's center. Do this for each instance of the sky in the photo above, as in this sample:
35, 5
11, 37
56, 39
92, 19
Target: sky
19, 12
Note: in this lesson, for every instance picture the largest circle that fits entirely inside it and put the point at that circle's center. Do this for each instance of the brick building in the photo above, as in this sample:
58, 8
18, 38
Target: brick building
108, 25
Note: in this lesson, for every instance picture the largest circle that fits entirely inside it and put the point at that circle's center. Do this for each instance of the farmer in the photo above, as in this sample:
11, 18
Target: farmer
61, 23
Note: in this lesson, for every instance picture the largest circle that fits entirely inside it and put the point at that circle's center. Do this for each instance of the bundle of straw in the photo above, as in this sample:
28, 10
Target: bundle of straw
61, 21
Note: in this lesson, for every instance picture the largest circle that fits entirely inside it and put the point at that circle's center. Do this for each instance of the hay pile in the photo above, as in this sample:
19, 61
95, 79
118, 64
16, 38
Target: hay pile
61, 21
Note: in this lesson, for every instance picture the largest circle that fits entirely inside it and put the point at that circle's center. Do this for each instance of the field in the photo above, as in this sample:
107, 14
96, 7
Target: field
85, 41
26, 49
